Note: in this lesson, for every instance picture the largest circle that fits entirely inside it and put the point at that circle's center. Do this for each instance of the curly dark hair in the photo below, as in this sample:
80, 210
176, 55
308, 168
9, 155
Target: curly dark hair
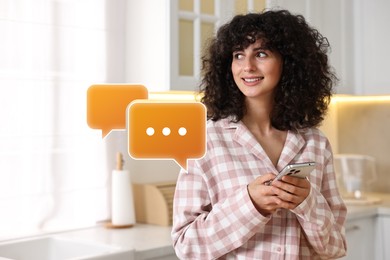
306, 85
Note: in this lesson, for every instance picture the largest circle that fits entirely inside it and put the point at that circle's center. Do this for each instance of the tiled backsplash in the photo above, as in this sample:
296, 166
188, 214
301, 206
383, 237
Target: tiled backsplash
361, 125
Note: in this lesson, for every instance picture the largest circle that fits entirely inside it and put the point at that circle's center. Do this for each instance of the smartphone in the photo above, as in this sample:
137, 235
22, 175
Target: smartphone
299, 170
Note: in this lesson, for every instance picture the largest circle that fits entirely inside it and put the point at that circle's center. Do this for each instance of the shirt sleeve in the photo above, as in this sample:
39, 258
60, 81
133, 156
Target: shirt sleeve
322, 216
205, 231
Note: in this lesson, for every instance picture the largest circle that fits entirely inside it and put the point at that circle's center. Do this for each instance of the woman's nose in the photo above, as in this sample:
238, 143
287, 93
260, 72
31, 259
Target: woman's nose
249, 64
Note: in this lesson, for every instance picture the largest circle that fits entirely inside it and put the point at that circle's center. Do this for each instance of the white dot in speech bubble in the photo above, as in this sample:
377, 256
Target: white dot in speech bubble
166, 131
182, 131
150, 131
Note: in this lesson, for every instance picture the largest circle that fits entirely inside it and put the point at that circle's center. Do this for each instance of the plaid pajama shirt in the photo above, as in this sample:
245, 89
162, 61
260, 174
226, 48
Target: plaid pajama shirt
214, 217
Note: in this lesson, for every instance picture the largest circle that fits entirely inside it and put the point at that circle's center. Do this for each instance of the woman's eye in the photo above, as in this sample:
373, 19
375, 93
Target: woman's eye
261, 54
238, 56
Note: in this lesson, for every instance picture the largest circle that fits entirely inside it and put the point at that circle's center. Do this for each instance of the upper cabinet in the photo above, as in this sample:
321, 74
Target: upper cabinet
358, 35
195, 21
165, 39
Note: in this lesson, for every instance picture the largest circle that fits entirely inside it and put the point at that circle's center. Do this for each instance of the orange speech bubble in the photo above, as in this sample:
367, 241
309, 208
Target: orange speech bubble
106, 105
166, 130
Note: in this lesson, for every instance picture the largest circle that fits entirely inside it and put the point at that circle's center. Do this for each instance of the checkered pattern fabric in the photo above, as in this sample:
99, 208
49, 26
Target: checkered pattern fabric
214, 217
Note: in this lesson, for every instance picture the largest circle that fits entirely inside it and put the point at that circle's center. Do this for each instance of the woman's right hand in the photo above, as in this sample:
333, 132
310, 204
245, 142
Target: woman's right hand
263, 196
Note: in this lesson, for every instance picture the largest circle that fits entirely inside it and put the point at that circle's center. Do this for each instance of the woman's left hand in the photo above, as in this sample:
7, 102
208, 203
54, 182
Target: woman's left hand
292, 190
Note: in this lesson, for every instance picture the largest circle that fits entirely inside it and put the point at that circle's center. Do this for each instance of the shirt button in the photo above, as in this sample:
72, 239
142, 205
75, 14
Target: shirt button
278, 249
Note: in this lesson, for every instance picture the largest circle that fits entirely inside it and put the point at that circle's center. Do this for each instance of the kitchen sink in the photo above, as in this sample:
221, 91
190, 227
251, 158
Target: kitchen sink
54, 248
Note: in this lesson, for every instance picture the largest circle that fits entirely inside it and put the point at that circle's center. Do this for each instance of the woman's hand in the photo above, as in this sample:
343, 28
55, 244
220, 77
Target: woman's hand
291, 190
263, 195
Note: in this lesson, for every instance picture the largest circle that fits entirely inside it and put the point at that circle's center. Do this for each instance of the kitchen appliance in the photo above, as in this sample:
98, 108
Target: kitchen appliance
355, 174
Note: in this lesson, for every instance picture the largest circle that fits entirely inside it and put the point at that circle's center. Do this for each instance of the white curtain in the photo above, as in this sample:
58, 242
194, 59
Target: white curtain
53, 171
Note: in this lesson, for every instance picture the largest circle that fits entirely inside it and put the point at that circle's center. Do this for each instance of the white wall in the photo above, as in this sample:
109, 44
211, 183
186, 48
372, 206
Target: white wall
148, 58
132, 50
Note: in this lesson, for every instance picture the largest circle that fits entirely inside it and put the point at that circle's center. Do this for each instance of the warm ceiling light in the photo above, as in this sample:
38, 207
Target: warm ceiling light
353, 98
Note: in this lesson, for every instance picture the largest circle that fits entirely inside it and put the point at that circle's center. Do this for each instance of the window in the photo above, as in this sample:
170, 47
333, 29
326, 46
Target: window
53, 174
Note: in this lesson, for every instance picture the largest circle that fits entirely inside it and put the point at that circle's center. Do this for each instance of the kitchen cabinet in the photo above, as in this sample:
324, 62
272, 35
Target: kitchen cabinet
355, 30
160, 57
165, 39
360, 235
383, 237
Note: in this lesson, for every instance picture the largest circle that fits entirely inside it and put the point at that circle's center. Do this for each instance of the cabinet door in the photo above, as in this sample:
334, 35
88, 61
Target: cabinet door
360, 239
383, 237
355, 30
193, 22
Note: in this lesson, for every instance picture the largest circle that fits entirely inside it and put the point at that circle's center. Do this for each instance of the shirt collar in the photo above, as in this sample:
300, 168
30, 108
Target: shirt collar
229, 123
293, 145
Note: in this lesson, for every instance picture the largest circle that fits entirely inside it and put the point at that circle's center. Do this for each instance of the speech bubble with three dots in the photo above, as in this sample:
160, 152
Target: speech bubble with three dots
166, 130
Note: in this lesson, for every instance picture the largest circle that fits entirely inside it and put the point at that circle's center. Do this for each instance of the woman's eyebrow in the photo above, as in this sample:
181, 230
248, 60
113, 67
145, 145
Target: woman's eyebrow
260, 48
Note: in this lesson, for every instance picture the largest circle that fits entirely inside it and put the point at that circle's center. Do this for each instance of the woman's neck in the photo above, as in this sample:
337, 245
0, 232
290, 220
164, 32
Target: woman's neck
258, 121
258, 115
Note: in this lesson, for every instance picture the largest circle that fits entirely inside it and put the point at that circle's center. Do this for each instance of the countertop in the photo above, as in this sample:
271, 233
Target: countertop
152, 241
356, 211
148, 241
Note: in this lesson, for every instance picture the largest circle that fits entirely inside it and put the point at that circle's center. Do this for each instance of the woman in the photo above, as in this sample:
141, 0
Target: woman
266, 85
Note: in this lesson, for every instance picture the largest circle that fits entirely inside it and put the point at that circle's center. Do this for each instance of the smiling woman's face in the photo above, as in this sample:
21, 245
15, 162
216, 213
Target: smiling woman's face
256, 70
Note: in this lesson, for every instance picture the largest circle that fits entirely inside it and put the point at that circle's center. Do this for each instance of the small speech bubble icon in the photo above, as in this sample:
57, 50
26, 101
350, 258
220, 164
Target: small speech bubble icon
106, 105
166, 130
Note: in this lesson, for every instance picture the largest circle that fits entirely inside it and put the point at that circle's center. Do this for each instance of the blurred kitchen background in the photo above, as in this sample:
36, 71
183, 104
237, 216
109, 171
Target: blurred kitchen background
55, 170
